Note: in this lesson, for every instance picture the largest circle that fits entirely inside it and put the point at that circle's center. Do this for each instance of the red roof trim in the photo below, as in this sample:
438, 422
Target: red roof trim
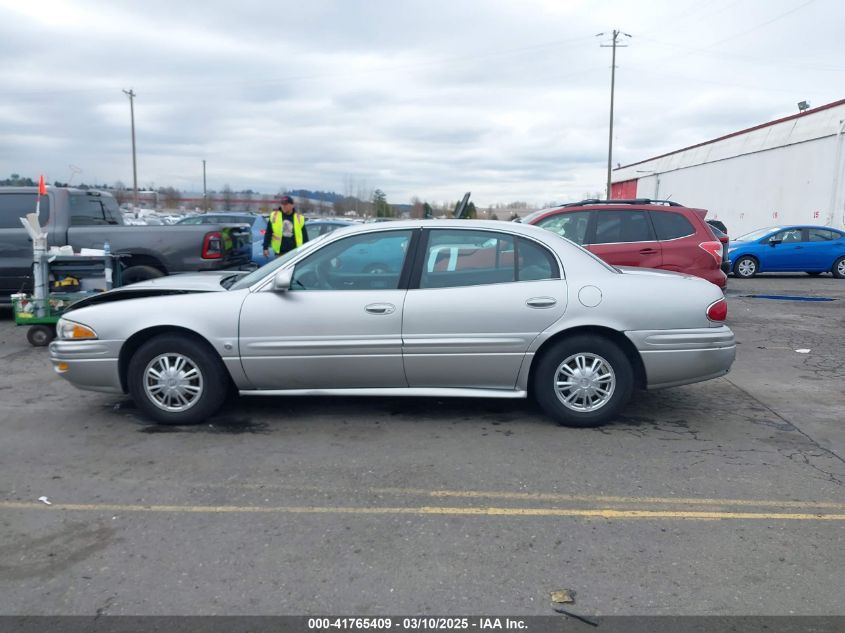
750, 129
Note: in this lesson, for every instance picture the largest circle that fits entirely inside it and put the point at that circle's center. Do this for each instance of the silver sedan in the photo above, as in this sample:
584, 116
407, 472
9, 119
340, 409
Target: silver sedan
417, 308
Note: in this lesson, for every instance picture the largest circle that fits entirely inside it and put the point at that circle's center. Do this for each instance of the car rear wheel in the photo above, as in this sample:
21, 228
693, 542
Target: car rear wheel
583, 381
838, 269
745, 267
177, 380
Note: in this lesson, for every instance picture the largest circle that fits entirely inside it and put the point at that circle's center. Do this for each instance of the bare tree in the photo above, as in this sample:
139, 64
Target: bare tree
226, 196
120, 192
170, 197
417, 211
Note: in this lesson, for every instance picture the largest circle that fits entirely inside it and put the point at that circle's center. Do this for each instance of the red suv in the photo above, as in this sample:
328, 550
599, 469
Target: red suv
645, 233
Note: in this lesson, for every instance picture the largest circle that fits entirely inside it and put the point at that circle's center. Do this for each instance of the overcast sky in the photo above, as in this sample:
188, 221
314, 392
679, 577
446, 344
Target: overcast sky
427, 98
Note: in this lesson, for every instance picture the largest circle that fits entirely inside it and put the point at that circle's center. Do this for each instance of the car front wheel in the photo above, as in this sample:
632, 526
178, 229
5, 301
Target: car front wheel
583, 381
177, 380
745, 267
838, 269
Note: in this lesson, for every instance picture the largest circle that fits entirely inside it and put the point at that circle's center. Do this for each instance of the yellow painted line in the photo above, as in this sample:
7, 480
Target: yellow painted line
541, 496
425, 510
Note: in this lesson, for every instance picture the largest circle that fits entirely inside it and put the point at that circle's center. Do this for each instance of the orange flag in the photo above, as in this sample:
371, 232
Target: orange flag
42, 188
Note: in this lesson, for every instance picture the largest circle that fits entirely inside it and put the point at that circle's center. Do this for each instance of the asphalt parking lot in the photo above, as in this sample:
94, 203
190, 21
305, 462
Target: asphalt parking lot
724, 497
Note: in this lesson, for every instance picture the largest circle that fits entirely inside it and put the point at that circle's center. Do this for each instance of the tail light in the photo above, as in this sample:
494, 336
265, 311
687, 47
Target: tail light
718, 310
714, 248
212, 246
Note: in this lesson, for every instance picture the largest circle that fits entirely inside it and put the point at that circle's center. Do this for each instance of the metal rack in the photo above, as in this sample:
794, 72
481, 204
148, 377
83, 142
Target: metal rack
42, 309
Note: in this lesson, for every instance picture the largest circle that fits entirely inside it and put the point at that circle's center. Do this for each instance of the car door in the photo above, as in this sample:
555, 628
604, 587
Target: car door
625, 237
335, 328
784, 251
822, 248
15, 243
477, 301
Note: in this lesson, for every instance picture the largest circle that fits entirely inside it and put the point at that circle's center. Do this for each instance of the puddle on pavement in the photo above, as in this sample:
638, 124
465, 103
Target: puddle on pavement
788, 298
221, 425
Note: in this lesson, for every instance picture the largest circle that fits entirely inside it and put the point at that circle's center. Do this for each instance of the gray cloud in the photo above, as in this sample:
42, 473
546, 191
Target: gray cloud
418, 98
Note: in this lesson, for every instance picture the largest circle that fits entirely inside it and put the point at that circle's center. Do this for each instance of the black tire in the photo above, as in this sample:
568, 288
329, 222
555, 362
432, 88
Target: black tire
139, 273
746, 267
40, 335
813, 273
838, 268
589, 347
213, 381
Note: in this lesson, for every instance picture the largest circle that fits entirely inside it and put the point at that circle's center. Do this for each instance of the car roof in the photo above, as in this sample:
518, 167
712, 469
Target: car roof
451, 223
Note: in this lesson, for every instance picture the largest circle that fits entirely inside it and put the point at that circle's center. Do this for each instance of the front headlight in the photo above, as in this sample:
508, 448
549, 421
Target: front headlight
71, 331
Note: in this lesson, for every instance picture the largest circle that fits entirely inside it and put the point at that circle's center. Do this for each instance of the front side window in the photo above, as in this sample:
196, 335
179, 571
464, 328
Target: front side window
670, 225
370, 261
622, 226
572, 226
787, 237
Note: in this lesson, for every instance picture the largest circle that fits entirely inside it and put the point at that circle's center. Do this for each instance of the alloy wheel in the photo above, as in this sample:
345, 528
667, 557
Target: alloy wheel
173, 382
584, 382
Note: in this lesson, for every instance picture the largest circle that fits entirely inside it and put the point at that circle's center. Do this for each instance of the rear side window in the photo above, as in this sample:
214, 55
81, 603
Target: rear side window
17, 205
456, 258
670, 226
823, 235
535, 262
88, 210
622, 226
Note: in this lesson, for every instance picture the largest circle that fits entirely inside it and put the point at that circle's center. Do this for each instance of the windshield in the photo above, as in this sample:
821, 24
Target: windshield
756, 235
260, 273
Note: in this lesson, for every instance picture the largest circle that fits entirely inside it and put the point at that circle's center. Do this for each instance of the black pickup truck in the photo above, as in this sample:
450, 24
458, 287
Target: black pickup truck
87, 219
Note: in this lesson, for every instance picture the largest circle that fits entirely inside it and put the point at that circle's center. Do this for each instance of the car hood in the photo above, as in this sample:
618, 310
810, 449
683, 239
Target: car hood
192, 282
173, 285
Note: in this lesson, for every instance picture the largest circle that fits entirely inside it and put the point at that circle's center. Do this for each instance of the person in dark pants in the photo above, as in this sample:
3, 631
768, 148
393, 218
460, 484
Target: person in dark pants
285, 229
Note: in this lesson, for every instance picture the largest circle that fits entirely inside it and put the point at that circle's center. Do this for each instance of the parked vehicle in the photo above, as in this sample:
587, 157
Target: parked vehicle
533, 314
321, 227
726, 243
257, 225
640, 232
87, 219
719, 225
811, 249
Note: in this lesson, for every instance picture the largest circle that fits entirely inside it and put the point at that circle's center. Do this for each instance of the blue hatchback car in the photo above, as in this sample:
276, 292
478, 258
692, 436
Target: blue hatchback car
811, 249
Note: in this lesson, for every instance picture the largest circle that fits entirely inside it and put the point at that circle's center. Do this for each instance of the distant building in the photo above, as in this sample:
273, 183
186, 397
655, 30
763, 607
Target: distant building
788, 171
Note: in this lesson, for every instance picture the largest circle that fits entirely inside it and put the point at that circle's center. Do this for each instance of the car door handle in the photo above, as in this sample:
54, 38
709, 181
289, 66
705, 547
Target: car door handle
541, 302
648, 251
380, 308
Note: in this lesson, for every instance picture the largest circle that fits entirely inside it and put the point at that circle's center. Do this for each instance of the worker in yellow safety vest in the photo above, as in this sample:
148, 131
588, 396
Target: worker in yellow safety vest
285, 229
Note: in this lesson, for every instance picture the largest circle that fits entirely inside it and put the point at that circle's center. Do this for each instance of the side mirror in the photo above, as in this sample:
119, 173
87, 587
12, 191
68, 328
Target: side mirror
282, 280
774, 242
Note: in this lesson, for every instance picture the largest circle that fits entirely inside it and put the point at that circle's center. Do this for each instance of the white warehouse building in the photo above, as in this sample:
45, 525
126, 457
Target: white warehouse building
789, 171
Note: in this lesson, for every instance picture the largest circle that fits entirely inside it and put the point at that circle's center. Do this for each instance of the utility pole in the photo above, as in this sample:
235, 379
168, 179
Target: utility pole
614, 45
131, 94
204, 191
